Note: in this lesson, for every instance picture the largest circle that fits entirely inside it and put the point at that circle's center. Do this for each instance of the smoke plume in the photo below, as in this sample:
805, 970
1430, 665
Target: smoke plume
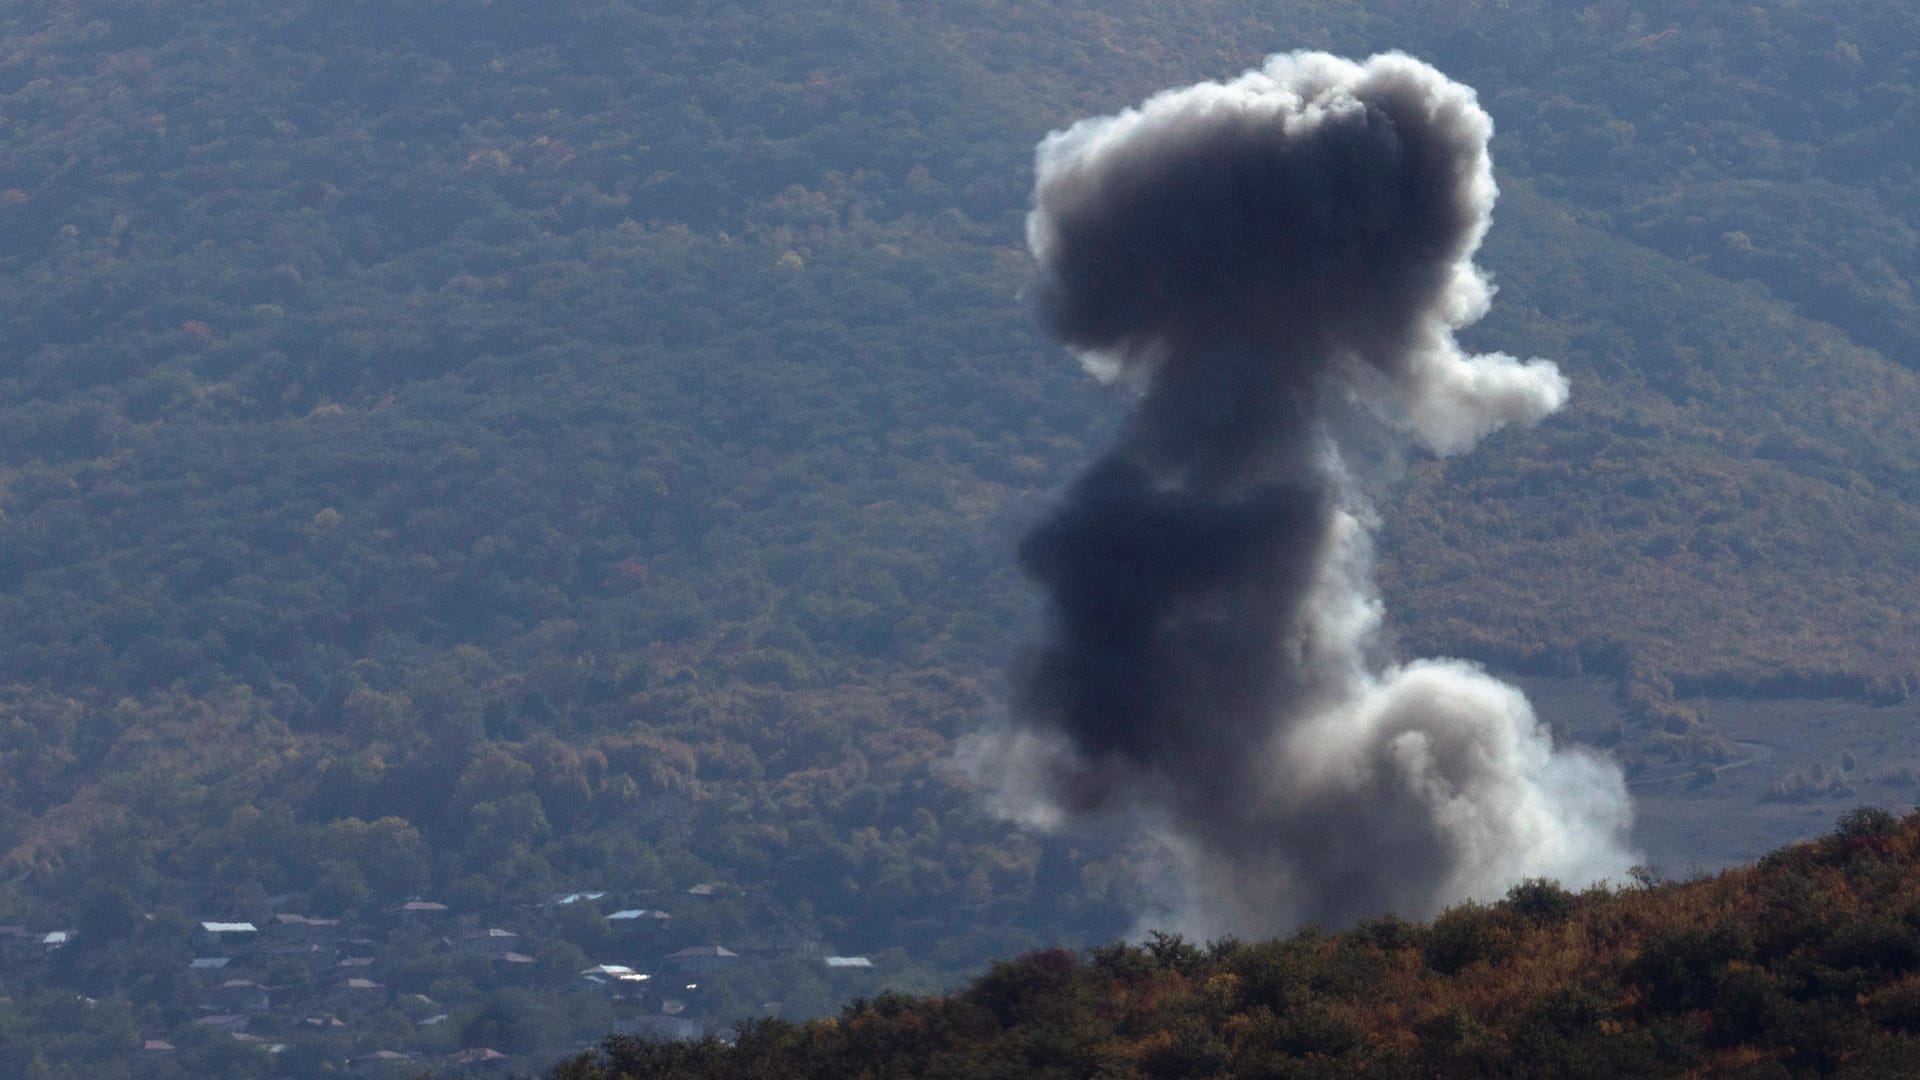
1272, 263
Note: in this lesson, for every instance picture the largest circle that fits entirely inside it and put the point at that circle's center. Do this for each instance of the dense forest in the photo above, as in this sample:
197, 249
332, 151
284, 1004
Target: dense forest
481, 453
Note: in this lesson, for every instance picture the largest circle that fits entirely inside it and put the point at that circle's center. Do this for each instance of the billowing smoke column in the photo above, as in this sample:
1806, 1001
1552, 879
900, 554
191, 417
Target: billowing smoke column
1257, 258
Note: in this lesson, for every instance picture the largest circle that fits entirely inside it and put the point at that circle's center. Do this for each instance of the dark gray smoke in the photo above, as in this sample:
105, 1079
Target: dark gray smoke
1255, 258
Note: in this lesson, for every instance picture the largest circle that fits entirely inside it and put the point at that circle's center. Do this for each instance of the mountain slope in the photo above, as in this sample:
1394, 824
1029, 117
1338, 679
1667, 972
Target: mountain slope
1804, 964
592, 440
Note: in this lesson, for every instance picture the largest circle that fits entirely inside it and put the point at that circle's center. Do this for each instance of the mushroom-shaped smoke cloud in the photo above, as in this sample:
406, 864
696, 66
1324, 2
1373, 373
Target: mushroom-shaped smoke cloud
1253, 257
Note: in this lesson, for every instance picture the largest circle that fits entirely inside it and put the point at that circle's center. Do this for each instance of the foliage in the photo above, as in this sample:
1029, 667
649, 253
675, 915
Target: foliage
1689, 979
484, 451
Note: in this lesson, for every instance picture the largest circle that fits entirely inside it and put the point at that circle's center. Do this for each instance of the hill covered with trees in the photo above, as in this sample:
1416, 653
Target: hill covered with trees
1804, 965
485, 453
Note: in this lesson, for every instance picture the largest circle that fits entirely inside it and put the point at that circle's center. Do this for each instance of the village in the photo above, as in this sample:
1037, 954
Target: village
417, 986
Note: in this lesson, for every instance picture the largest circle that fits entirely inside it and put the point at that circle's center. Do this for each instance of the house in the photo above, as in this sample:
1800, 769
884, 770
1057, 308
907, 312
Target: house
240, 996
206, 965
848, 962
381, 1062
304, 929
357, 994
226, 933
157, 1046
614, 975
637, 920
228, 1022
478, 1057
421, 912
700, 959
54, 940
556, 903
493, 942
315, 956
255, 1040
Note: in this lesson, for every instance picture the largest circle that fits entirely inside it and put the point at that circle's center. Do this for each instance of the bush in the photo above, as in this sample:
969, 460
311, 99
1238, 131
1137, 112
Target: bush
1864, 821
1389, 933
1468, 935
1681, 968
1541, 900
1193, 1050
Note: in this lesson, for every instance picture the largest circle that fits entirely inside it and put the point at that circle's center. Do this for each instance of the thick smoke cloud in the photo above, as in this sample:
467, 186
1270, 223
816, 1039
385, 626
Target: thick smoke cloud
1255, 258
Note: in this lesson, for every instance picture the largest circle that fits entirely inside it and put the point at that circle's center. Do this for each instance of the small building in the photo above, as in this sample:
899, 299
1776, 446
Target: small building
615, 976
637, 920
357, 994
478, 1057
422, 913
227, 933
560, 901
381, 1062
848, 962
700, 959
312, 954
304, 929
228, 1022
493, 942
241, 996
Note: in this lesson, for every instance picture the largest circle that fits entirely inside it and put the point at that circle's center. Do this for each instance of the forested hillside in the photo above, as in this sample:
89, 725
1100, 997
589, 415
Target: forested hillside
1801, 966
488, 452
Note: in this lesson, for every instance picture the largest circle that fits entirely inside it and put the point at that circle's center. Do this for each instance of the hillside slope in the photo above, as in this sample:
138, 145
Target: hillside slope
483, 452
1807, 964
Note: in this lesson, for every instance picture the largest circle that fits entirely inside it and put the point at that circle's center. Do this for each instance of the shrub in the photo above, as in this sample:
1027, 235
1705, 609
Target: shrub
1468, 935
1389, 933
1541, 900
1193, 1050
1681, 968
1864, 821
